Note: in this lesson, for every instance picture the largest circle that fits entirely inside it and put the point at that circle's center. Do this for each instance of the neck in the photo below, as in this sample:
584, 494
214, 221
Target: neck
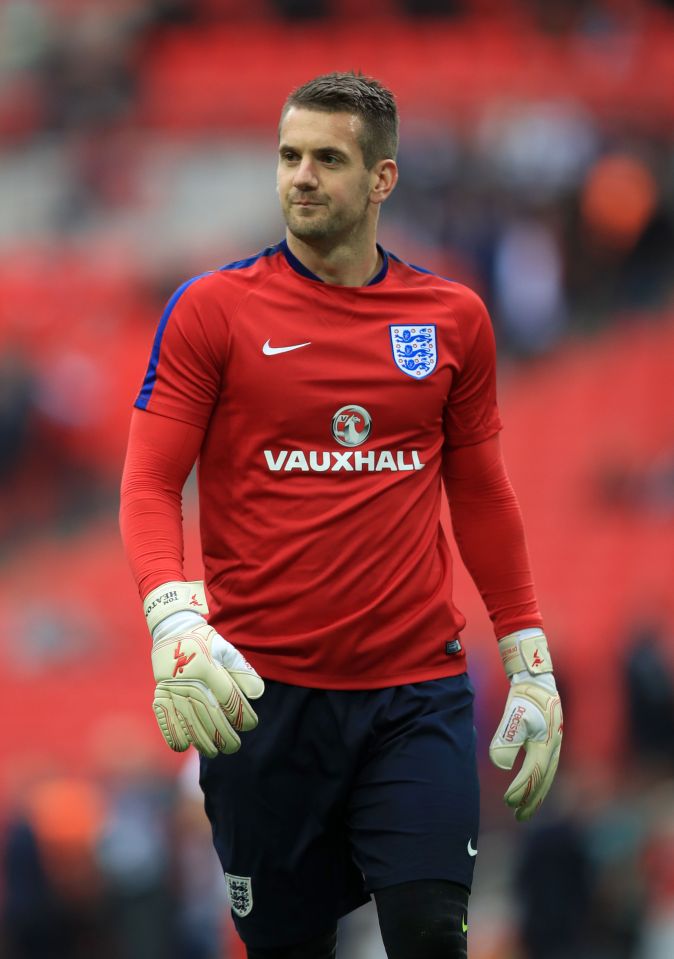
340, 265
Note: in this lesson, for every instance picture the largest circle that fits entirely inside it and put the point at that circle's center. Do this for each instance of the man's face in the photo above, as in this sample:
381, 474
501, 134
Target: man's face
322, 181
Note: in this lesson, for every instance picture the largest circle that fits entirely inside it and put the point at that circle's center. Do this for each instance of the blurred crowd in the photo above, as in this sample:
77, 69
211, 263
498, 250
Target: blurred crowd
137, 149
119, 865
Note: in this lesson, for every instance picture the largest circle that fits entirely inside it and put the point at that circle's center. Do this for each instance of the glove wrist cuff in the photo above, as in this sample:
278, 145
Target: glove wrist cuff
171, 598
524, 652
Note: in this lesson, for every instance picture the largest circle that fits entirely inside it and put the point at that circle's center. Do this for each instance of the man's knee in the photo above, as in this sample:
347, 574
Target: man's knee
426, 919
322, 947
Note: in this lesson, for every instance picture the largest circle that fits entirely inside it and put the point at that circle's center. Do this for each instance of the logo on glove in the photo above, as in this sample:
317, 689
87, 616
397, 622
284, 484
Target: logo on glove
182, 659
514, 724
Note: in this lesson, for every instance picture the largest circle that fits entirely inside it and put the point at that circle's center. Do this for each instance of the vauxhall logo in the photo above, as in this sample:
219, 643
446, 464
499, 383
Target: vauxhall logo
351, 426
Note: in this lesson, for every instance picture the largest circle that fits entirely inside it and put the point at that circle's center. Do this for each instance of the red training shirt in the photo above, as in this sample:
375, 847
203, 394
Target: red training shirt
327, 411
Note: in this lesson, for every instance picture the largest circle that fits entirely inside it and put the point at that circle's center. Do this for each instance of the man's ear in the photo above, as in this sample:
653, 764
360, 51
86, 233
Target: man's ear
385, 177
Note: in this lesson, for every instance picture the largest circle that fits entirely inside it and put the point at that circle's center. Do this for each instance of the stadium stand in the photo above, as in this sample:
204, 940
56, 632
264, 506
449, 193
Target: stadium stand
137, 150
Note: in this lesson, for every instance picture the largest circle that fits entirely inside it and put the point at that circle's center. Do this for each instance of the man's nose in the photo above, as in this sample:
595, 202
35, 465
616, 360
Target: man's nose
305, 175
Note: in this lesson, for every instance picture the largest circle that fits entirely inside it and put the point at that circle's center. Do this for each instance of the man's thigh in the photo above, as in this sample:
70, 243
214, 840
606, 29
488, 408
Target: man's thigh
414, 808
277, 809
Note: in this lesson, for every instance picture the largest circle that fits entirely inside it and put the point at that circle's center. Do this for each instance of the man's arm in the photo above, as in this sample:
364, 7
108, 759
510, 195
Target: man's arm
203, 682
489, 532
160, 454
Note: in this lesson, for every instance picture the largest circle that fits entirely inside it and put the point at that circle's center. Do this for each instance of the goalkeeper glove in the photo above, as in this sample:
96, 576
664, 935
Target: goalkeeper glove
532, 718
203, 682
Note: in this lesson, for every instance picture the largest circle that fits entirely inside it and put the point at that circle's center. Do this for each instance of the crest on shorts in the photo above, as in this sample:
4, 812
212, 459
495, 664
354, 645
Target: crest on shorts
414, 349
240, 892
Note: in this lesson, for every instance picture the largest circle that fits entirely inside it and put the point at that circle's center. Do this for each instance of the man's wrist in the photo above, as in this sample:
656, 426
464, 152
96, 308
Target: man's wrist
182, 621
171, 598
525, 652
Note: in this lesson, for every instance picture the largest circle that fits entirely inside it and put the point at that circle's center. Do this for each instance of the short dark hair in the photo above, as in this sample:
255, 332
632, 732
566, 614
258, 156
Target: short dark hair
363, 96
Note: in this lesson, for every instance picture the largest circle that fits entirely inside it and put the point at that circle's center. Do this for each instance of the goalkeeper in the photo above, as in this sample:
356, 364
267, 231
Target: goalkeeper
329, 391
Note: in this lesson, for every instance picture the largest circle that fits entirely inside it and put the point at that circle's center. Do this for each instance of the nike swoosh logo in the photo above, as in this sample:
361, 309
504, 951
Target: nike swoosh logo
273, 350
472, 851
464, 925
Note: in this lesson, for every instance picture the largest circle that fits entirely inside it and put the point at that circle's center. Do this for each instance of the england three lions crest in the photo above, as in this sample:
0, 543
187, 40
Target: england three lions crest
415, 349
240, 892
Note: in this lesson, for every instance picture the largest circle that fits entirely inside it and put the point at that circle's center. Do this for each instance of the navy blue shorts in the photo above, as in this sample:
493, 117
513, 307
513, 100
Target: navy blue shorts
339, 793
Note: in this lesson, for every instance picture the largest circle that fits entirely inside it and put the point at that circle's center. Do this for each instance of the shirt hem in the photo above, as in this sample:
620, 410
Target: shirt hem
267, 669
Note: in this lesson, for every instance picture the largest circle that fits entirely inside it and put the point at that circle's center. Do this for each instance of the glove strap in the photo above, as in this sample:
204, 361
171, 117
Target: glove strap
524, 652
172, 597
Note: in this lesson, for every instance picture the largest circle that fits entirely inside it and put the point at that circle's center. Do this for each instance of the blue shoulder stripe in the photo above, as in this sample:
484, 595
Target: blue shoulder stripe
151, 375
420, 269
249, 261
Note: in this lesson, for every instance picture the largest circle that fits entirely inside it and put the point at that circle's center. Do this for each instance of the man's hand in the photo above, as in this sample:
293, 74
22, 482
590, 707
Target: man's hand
203, 682
532, 718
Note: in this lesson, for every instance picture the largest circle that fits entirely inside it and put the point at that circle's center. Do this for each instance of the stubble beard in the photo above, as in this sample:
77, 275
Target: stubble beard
326, 228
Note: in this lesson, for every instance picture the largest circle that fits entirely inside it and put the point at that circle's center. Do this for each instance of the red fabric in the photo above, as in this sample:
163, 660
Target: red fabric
486, 518
488, 529
160, 455
324, 556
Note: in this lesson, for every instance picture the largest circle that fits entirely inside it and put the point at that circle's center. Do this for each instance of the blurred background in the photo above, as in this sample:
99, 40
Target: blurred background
137, 148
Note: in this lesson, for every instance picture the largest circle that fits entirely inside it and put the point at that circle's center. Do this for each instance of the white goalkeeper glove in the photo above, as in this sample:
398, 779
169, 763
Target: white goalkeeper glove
532, 718
203, 682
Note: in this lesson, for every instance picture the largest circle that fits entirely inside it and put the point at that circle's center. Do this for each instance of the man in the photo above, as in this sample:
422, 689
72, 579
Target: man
328, 391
